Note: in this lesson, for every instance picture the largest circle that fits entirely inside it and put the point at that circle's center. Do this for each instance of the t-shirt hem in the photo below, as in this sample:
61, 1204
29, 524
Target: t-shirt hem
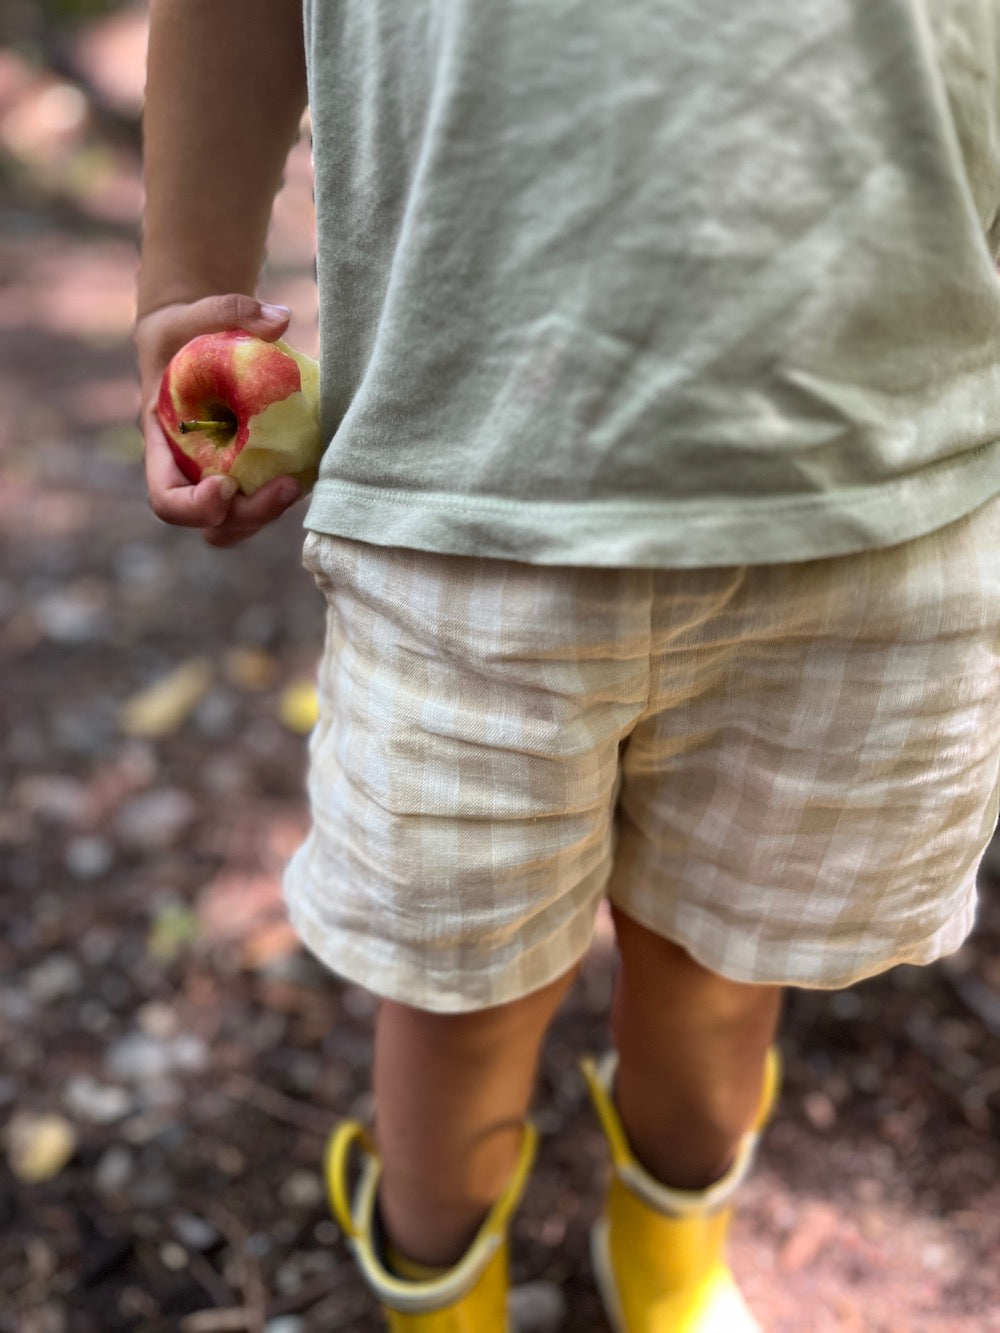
661, 534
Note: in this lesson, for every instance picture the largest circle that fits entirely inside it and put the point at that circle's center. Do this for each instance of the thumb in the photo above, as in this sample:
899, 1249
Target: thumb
216, 314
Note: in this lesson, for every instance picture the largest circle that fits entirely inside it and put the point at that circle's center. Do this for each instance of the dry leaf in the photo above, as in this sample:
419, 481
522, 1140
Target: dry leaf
161, 708
39, 1146
298, 707
251, 668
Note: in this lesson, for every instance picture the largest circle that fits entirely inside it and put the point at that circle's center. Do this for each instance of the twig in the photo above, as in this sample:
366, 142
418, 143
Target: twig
237, 1319
275, 1104
297, 1301
254, 1308
203, 1272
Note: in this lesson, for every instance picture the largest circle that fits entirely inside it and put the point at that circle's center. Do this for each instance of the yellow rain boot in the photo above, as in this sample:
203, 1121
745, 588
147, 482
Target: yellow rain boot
659, 1253
469, 1298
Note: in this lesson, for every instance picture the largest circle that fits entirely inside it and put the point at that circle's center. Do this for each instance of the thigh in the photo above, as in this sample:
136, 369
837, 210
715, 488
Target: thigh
463, 770
807, 799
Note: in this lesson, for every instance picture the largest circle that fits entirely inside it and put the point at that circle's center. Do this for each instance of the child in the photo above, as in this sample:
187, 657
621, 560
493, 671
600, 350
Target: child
659, 534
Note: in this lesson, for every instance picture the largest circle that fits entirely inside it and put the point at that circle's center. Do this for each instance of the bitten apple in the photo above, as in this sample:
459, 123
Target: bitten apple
234, 405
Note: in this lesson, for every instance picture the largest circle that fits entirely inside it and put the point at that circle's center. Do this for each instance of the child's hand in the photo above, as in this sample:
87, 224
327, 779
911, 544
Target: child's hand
212, 504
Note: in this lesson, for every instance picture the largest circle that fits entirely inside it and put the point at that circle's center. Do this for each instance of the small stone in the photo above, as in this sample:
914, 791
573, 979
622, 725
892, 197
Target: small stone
98, 945
537, 1307
935, 1256
156, 819
59, 976
303, 1072
286, 1323
77, 614
224, 775
819, 1110
95, 1017
83, 731
162, 1092
89, 857
139, 564
114, 1170
48, 1318
215, 716
99, 1103
173, 1256
189, 1053
288, 1278
846, 1004
317, 1261
115, 990
867, 1077
17, 1006
52, 797
302, 1189
144, 1128
230, 1160
157, 1020
193, 1232
138, 1058
152, 1192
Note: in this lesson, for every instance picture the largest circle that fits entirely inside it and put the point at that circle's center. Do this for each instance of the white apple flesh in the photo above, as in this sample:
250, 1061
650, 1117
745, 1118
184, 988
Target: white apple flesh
234, 405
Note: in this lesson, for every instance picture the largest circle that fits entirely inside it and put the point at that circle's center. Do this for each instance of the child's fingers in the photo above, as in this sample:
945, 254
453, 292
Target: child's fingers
249, 513
175, 325
174, 499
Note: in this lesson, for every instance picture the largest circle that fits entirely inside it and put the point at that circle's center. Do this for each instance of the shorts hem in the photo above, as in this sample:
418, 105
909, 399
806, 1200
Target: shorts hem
419, 985
830, 970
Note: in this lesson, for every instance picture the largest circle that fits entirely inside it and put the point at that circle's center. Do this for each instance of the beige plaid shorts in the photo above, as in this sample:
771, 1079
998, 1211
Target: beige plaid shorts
790, 770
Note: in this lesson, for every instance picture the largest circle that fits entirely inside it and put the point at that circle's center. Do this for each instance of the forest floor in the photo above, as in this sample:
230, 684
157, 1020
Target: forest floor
172, 1061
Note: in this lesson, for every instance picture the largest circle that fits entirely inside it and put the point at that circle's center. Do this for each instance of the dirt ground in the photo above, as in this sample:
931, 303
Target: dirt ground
171, 1062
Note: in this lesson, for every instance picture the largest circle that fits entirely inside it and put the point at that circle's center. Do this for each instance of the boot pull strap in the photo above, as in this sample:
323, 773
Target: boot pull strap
664, 1198
598, 1083
357, 1220
500, 1213
338, 1153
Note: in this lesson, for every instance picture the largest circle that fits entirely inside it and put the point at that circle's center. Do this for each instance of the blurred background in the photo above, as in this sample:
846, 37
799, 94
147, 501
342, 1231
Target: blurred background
170, 1061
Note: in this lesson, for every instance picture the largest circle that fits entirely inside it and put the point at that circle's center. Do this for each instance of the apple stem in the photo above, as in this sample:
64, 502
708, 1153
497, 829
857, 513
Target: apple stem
208, 427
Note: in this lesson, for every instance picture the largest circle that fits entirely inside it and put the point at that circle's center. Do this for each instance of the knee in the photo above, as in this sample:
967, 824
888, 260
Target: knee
661, 982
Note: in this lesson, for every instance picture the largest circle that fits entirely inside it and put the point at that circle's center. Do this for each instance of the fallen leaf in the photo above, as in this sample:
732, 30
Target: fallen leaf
298, 706
39, 1146
173, 929
163, 707
250, 668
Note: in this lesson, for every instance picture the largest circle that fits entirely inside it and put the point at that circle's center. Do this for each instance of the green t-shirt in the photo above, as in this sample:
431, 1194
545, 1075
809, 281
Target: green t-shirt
650, 282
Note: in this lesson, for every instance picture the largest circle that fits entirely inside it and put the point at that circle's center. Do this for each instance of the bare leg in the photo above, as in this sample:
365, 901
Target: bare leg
691, 1048
451, 1094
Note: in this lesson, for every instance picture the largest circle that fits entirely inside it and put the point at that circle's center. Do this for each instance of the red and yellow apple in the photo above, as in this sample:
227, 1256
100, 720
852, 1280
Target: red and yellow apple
234, 405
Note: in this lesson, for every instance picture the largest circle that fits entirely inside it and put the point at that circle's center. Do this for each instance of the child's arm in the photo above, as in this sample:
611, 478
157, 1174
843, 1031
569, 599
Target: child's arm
225, 93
